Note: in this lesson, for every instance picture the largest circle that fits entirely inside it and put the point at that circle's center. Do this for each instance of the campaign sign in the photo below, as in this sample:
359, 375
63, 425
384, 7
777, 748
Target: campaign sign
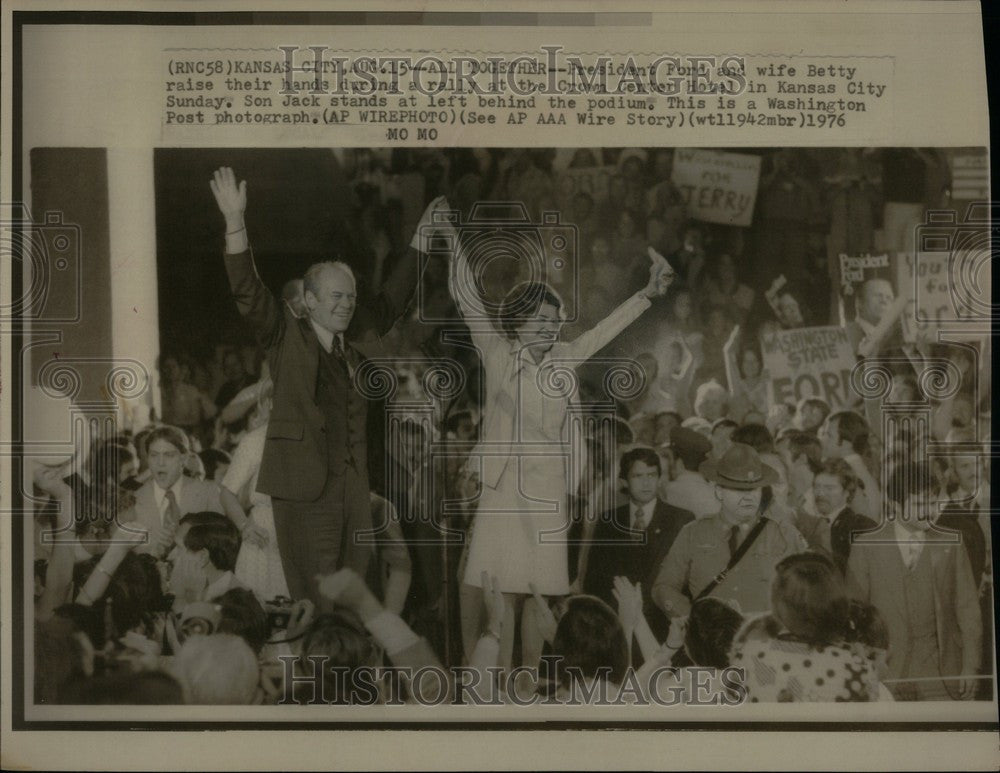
809, 362
717, 187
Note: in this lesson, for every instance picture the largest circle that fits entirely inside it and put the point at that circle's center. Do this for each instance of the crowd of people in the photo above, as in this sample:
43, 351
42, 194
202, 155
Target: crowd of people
618, 539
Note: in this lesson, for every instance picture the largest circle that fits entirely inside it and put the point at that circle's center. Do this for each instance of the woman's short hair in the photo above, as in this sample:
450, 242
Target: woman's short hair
591, 642
523, 302
712, 625
173, 435
809, 597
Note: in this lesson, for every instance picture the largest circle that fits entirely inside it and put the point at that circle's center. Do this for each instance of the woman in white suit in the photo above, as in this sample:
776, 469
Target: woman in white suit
521, 523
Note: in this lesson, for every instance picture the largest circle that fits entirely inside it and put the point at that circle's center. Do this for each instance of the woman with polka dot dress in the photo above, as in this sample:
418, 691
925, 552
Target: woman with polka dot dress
815, 645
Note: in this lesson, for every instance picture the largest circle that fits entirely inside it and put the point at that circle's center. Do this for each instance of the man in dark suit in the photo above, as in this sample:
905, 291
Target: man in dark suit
832, 528
315, 463
633, 540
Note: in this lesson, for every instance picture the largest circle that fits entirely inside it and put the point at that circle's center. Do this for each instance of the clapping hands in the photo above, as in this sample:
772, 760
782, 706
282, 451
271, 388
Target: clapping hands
629, 598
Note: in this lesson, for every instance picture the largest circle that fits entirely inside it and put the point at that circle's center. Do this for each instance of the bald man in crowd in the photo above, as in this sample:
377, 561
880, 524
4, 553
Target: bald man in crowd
315, 464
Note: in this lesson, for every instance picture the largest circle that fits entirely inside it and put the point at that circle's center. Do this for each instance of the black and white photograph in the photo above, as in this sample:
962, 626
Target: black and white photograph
538, 413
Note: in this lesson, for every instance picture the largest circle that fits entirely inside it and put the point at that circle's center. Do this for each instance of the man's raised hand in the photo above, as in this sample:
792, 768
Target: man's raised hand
231, 198
232, 201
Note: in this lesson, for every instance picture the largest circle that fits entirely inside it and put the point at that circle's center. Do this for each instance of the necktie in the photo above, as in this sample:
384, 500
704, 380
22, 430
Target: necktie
640, 519
338, 350
914, 554
171, 518
734, 540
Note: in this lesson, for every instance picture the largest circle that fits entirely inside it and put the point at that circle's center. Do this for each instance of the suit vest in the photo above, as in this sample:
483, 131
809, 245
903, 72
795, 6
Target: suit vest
345, 412
918, 595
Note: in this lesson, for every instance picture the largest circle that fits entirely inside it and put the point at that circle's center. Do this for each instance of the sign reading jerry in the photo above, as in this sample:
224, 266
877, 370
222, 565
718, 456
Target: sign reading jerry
717, 187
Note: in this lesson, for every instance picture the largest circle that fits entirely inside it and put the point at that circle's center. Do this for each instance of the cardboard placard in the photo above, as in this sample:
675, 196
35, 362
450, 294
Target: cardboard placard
717, 187
809, 362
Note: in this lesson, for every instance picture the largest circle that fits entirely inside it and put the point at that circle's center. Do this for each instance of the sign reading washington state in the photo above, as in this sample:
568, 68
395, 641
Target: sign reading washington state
809, 362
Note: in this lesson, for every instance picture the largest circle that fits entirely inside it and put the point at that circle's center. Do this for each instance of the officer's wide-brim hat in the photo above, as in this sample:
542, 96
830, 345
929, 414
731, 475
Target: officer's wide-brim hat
739, 468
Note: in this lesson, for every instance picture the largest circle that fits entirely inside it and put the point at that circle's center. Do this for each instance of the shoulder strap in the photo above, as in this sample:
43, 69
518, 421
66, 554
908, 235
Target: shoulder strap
735, 558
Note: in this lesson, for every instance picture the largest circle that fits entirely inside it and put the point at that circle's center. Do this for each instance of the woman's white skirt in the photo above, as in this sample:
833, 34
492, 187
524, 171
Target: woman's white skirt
521, 528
